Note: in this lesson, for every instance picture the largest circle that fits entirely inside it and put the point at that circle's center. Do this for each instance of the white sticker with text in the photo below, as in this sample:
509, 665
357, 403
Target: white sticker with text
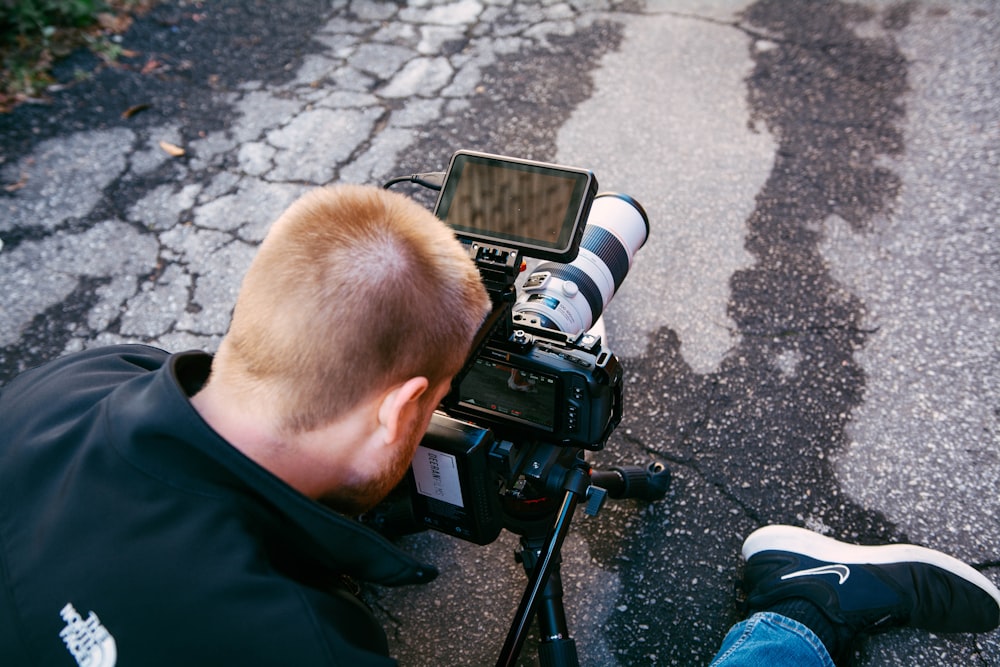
436, 474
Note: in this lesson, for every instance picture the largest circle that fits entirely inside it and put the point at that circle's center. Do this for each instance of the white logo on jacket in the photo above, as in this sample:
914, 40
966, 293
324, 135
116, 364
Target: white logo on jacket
87, 639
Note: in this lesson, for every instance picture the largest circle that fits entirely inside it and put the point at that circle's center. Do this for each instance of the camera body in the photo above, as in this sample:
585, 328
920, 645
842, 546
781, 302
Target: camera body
524, 380
561, 392
531, 397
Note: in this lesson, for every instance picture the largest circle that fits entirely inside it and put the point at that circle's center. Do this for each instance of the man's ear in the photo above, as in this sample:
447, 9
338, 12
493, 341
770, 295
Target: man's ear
394, 410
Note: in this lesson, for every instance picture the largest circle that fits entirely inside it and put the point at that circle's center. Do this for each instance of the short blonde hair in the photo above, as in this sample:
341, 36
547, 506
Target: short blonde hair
353, 290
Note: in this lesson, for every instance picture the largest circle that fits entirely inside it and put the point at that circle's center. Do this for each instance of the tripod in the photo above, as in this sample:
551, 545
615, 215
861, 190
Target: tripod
541, 559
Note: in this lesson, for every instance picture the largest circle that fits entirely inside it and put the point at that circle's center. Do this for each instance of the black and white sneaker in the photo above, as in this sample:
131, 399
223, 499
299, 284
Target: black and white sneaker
866, 589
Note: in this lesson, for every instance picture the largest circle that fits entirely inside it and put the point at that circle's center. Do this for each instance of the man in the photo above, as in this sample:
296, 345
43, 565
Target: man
175, 508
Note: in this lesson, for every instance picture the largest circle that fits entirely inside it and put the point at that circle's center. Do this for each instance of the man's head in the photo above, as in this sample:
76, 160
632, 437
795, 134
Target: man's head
354, 289
354, 316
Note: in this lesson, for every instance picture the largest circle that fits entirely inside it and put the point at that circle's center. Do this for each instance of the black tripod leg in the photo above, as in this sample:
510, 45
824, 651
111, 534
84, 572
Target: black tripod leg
576, 487
557, 648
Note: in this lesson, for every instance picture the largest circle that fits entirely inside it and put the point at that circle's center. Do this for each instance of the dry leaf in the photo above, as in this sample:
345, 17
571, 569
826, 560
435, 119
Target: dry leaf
14, 187
114, 23
133, 110
171, 149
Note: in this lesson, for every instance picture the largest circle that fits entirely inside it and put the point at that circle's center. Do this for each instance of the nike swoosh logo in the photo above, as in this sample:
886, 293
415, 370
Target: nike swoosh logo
842, 572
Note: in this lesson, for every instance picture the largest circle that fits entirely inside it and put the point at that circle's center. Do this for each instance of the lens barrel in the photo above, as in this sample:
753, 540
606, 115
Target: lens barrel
570, 297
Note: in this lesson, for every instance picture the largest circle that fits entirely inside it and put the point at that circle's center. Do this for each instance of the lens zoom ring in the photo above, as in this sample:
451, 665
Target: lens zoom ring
588, 288
606, 245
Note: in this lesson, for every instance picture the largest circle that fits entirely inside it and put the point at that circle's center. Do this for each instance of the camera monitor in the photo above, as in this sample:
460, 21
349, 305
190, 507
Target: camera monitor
538, 208
517, 395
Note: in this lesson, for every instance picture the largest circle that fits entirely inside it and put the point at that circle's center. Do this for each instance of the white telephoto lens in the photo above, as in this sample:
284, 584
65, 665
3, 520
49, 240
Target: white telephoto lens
571, 297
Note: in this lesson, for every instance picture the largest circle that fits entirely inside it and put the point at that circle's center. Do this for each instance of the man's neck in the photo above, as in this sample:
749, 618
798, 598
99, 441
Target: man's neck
308, 462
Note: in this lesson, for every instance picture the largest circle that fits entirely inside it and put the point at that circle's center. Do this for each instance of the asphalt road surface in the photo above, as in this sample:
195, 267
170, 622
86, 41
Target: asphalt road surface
810, 335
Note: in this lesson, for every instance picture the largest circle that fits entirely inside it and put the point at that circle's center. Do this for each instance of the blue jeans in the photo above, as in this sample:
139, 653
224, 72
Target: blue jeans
770, 640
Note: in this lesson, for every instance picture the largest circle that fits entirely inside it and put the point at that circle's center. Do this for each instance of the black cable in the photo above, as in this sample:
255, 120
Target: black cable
432, 180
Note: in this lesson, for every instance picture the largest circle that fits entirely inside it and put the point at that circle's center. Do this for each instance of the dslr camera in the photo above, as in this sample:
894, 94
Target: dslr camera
539, 387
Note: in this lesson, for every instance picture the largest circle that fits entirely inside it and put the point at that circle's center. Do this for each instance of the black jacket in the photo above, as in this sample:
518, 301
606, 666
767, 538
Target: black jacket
128, 526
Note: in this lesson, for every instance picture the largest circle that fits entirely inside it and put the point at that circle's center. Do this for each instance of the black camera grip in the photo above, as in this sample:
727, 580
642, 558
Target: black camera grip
643, 483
